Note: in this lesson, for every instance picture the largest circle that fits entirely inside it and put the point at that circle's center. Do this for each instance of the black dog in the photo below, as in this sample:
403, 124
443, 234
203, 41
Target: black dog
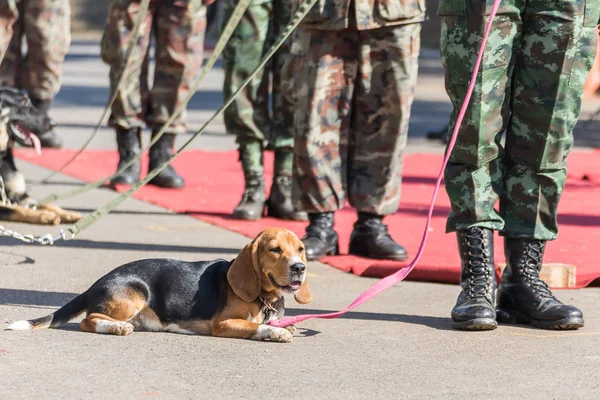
20, 121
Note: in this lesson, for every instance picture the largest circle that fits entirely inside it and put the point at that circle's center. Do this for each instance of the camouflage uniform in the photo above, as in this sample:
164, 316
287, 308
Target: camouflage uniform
249, 117
8, 16
178, 27
530, 87
46, 26
179, 31
262, 114
355, 65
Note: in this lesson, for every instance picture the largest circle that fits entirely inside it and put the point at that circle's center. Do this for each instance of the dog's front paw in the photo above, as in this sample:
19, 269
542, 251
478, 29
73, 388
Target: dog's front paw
266, 332
292, 329
66, 216
70, 217
47, 218
282, 335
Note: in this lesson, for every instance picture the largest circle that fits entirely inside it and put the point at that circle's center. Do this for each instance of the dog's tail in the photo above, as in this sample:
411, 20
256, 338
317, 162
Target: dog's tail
54, 320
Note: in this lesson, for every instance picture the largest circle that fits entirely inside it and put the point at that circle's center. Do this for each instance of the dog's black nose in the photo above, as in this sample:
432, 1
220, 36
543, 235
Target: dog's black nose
298, 268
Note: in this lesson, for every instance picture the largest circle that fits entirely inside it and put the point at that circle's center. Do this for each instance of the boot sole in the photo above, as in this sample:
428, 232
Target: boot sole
164, 186
515, 317
394, 258
122, 182
334, 251
366, 255
477, 324
244, 218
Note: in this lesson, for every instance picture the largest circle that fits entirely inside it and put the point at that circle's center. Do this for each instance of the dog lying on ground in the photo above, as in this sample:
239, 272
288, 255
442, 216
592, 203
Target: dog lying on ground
221, 298
19, 120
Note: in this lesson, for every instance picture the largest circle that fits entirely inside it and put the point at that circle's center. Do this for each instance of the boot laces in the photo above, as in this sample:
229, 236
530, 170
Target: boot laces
480, 276
530, 267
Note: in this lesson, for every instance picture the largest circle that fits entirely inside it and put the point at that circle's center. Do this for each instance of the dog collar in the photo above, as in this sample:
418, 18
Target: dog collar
268, 310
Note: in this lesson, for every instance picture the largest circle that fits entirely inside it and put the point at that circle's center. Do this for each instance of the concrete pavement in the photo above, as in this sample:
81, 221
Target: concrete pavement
400, 345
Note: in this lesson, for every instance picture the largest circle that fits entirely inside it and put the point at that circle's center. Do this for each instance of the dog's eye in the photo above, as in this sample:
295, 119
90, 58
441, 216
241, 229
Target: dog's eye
301, 249
276, 250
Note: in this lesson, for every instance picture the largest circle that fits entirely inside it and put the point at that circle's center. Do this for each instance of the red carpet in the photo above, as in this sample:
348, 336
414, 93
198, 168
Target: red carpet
214, 183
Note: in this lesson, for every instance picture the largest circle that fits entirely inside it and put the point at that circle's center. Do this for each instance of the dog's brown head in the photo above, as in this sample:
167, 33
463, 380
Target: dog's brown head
274, 262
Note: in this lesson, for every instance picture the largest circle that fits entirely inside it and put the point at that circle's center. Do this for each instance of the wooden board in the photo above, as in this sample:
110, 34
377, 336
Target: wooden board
557, 276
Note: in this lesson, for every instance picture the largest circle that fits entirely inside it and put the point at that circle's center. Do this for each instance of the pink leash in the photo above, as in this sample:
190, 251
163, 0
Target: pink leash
399, 276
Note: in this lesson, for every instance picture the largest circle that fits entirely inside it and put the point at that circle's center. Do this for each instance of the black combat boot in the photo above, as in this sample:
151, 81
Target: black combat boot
129, 144
523, 297
474, 309
280, 200
370, 239
48, 139
320, 239
160, 153
252, 205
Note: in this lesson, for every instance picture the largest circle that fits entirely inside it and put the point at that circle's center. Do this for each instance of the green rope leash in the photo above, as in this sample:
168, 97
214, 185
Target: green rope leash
132, 42
102, 211
228, 31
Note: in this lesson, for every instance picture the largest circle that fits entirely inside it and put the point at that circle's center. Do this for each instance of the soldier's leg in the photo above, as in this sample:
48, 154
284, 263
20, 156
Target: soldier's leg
473, 178
179, 48
281, 138
325, 68
48, 33
381, 111
126, 113
248, 116
13, 63
8, 16
556, 55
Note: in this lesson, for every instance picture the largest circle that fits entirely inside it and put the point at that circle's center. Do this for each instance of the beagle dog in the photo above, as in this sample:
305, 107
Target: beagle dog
233, 299
19, 123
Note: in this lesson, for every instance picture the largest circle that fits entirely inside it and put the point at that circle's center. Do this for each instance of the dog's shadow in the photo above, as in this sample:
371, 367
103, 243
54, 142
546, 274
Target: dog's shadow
439, 323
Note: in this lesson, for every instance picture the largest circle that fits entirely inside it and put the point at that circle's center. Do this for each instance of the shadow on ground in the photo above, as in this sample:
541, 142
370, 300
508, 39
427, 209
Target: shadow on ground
431, 322
125, 246
18, 297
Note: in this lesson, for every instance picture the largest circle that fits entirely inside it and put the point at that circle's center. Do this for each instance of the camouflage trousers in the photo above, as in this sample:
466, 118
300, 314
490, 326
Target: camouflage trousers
46, 27
530, 86
354, 93
262, 112
8, 16
178, 28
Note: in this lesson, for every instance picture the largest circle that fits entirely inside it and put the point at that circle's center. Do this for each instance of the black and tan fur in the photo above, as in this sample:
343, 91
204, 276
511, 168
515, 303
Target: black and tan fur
232, 299
18, 115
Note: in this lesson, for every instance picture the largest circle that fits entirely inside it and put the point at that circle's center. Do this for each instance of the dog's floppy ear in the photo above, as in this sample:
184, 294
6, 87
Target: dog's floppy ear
243, 274
304, 294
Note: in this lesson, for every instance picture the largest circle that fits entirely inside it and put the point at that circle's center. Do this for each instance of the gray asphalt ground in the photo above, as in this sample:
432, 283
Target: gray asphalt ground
399, 345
